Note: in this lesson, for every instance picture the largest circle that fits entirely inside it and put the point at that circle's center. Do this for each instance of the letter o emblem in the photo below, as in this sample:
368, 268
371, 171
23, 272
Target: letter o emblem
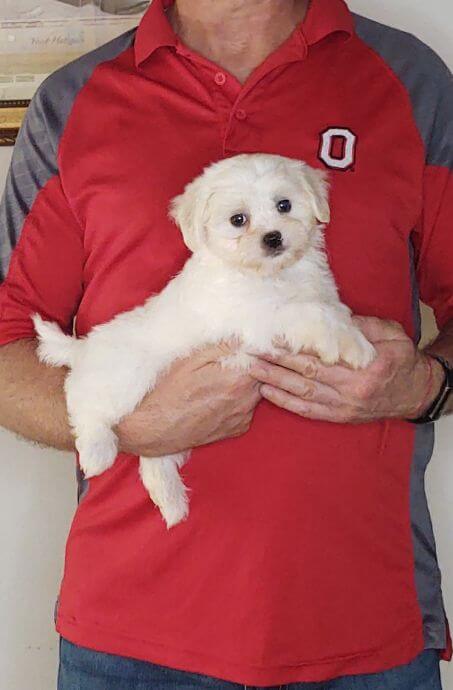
344, 141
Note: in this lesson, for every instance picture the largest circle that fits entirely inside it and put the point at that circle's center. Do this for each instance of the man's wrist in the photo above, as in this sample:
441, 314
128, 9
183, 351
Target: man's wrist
444, 400
434, 377
131, 431
138, 435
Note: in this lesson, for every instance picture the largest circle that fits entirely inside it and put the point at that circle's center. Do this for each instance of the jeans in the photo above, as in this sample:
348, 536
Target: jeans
84, 669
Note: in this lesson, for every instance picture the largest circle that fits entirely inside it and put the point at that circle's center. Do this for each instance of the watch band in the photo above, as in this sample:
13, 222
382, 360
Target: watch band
434, 412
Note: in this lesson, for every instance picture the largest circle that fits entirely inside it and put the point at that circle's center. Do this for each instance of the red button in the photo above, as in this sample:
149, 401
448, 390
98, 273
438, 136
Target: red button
241, 114
220, 78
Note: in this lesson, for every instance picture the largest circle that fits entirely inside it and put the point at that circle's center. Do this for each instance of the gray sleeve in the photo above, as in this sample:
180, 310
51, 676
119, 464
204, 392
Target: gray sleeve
425, 77
33, 164
35, 154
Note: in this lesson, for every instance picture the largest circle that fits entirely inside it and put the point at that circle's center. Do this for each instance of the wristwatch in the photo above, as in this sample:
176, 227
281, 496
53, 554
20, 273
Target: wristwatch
434, 411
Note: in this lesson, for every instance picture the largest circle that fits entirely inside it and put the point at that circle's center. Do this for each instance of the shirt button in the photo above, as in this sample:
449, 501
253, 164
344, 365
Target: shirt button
241, 114
220, 78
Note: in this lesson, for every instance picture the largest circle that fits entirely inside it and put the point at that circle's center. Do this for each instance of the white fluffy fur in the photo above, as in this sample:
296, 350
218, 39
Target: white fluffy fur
232, 286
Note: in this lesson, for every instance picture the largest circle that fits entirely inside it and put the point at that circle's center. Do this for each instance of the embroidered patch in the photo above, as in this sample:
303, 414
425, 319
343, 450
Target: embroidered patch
337, 148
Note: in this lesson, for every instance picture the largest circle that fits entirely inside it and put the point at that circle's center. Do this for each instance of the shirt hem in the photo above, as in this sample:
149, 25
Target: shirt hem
95, 637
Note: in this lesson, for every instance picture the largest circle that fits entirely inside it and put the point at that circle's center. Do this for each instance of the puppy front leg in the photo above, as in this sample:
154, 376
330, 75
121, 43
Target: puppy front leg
328, 331
165, 486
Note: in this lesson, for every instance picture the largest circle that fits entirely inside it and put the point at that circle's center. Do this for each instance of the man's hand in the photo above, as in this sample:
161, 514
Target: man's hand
194, 403
397, 384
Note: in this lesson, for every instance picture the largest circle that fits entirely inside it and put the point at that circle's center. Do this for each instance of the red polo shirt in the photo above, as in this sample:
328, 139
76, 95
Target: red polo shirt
308, 553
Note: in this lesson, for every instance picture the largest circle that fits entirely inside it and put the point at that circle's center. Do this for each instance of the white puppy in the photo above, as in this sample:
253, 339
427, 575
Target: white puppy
258, 272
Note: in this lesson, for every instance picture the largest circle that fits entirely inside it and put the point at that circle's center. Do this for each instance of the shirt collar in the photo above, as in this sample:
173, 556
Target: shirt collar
324, 17
154, 31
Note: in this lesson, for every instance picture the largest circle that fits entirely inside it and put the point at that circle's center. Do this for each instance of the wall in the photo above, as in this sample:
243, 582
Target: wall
37, 492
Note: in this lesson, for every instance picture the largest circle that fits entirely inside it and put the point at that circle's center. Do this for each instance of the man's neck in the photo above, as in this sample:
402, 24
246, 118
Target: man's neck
236, 34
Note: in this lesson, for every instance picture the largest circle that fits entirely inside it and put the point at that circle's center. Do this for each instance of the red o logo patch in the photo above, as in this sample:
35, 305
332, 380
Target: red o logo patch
338, 148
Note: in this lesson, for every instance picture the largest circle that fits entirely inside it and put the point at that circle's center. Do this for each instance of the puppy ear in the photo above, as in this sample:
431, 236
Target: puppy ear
317, 186
189, 210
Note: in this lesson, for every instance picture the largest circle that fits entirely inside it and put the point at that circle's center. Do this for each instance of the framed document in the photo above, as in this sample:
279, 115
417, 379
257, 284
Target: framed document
39, 36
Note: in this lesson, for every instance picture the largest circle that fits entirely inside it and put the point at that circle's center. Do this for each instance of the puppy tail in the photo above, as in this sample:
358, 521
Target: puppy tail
55, 348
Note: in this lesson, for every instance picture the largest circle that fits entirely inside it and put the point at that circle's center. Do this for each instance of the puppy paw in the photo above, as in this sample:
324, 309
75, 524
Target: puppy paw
355, 349
328, 351
97, 453
239, 361
312, 333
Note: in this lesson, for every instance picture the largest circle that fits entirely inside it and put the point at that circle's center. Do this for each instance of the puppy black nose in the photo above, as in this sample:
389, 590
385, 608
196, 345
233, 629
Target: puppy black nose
273, 240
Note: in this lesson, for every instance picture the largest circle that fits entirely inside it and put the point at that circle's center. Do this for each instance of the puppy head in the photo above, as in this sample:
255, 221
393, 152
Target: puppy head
257, 211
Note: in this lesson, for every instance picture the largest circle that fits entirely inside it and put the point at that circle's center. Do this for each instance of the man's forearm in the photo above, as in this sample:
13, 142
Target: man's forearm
32, 400
443, 346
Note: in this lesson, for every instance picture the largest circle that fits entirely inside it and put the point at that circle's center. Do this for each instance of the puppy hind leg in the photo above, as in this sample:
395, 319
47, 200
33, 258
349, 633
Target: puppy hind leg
165, 486
97, 447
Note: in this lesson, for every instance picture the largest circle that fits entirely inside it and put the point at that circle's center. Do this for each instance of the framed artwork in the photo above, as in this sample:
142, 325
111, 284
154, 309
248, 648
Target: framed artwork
39, 36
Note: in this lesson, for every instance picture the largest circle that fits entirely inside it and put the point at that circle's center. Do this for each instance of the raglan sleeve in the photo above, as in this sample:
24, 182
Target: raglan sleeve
433, 239
41, 241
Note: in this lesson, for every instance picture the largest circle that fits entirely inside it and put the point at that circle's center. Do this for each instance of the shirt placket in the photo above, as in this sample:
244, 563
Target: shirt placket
230, 98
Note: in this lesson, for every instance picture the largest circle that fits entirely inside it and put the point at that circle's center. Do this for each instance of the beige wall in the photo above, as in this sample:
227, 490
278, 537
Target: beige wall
37, 492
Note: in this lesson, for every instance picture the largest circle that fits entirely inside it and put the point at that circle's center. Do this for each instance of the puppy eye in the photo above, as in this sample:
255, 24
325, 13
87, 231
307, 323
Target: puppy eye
284, 206
238, 220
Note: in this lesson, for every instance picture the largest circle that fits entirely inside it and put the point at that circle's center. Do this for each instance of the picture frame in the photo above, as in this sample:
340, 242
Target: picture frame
12, 114
39, 36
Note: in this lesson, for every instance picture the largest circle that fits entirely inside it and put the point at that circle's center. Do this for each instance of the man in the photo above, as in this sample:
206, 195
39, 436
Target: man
308, 559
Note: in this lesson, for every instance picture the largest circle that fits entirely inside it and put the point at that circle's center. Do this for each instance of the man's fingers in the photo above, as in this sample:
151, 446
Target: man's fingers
294, 383
304, 408
378, 330
311, 368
